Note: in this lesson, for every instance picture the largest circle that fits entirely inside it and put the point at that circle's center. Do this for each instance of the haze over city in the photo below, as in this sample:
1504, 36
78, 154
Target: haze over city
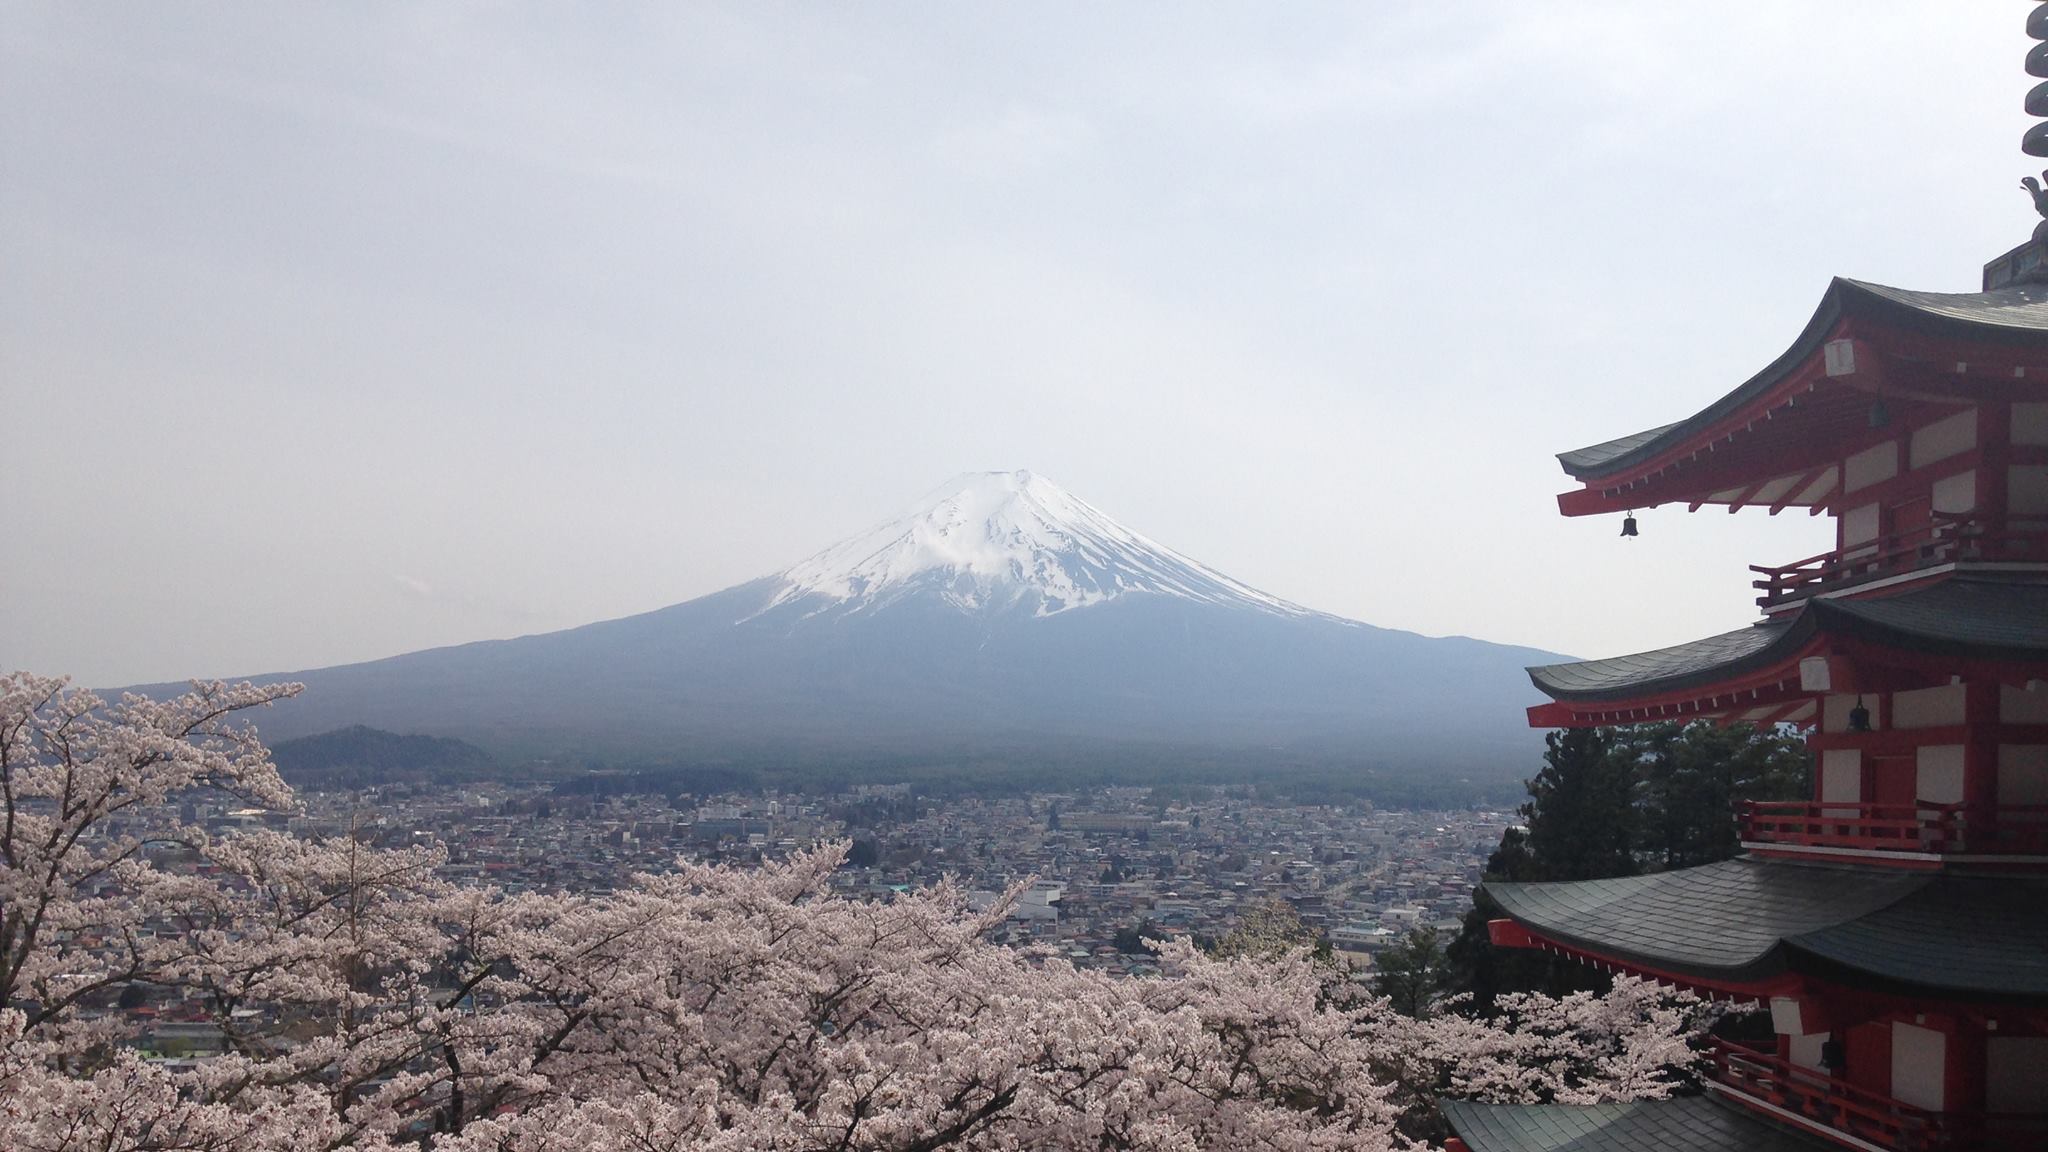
342, 332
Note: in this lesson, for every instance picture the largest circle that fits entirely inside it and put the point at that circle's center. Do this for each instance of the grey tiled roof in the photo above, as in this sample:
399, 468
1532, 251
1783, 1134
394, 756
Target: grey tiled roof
1592, 456
1748, 919
1727, 918
1682, 1124
2015, 315
2022, 308
1975, 936
1984, 616
1661, 667
2010, 615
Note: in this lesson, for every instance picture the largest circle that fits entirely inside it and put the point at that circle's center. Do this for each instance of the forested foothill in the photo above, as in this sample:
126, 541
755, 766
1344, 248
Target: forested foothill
362, 757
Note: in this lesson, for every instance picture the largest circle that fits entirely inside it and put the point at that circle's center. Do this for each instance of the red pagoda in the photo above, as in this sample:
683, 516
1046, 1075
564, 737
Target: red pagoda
1894, 923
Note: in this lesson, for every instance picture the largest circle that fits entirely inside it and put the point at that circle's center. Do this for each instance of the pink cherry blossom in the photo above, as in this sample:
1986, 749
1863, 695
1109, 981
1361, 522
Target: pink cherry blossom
366, 1002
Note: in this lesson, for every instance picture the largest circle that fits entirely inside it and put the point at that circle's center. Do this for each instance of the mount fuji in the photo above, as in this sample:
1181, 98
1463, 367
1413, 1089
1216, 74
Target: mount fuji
1001, 618
998, 542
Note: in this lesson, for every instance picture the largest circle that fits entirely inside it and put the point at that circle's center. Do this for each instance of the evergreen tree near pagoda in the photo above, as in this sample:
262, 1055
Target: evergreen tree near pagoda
1690, 780
1618, 802
1411, 974
1581, 813
1578, 825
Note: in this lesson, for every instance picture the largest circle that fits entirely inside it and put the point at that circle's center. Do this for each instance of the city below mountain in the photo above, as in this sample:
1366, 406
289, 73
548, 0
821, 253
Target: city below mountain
1003, 621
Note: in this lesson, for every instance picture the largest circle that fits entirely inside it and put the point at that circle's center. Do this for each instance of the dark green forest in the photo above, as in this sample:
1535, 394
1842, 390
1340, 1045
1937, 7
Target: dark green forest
360, 757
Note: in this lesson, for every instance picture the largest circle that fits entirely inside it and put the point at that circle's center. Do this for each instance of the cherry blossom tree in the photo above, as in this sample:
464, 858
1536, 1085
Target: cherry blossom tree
366, 1002
72, 913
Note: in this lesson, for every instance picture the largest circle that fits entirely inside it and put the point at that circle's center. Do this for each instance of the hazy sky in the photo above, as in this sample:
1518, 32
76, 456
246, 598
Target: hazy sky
331, 332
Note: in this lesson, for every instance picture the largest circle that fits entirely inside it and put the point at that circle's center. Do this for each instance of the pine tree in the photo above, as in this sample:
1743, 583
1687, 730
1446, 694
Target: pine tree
1581, 811
1616, 802
1691, 778
1411, 974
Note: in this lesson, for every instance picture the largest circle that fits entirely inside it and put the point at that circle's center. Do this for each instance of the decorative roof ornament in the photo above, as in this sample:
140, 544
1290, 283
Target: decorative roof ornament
2039, 194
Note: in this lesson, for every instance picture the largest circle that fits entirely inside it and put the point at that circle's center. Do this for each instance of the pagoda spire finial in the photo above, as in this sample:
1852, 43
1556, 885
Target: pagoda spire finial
2029, 262
2035, 142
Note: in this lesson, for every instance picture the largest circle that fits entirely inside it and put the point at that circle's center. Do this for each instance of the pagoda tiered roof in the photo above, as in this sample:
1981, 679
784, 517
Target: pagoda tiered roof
1750, 926
1894, 917
1681, 1124
1978, 623
1776, 439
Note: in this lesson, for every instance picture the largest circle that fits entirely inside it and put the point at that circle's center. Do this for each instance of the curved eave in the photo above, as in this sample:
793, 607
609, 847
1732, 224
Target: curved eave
1980, 617
1721, 925
1977, 625
2005, 320
1715, 660
1746, 925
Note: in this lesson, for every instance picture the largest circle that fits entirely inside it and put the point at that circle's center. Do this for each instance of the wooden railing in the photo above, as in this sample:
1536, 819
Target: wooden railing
1834, 1103
1923, 826
1827, 1100
1947, 540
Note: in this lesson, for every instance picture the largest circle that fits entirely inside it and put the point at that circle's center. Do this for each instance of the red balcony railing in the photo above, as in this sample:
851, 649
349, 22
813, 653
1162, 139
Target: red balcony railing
1947, 540
1827, 1100
1923, 826
1834, 1103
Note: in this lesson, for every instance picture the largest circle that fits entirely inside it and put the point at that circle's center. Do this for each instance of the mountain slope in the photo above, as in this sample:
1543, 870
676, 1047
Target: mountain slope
1001, 614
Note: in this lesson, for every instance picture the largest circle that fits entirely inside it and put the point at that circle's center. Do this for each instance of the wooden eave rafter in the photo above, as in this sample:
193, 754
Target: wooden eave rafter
1509, 933
1802, 490
1802, 711
1791, 440
1775, 686
1861, 665
1818, 414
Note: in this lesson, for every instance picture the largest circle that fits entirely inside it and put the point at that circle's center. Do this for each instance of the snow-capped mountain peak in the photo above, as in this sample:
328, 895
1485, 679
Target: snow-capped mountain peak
989, 541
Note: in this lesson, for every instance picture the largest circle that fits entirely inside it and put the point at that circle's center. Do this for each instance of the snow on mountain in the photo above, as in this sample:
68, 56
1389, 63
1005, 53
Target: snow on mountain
1001, 541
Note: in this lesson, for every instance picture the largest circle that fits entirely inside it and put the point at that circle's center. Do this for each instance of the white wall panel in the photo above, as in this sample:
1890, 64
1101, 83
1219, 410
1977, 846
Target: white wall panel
1939, 768
2026, 489
1919, 1058
2023, 773
1942, 439
1871, 466
1929, 707
2016, 1074
2030, 423
1956, 494
2019, 706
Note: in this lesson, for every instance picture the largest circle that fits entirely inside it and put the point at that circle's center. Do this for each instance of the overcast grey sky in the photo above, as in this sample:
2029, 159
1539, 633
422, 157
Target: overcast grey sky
332, 332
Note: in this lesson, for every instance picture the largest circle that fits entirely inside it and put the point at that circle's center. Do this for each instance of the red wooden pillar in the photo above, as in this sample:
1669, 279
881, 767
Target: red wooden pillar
1994, 457
1869, 1051
1980, 749
1965, 1080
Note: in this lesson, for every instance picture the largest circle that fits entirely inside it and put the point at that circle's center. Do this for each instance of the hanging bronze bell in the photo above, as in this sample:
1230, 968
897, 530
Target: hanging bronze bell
1628, 525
